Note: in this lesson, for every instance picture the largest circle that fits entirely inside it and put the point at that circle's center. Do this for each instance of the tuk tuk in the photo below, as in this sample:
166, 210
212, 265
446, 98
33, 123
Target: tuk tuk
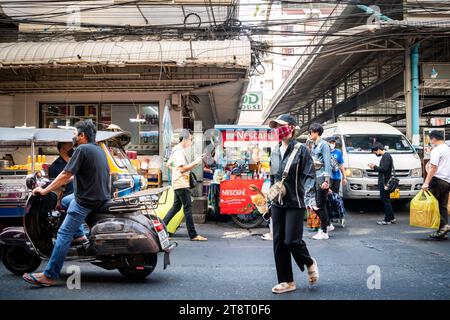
24, 151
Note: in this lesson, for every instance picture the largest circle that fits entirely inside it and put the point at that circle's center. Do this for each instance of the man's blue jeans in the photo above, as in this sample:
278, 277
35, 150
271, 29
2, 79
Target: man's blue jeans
75, 217
65, 203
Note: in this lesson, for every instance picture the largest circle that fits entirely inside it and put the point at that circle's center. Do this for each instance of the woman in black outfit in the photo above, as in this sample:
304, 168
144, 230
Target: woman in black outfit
287, 217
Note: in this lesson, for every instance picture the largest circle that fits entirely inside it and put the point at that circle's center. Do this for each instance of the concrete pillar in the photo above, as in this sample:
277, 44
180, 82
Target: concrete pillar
415, 110
407, 91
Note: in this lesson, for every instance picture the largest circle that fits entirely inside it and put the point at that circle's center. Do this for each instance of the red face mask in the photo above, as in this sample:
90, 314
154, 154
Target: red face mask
283, 132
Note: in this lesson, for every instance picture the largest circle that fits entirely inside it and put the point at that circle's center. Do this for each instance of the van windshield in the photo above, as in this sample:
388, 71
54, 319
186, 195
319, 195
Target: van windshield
362, 143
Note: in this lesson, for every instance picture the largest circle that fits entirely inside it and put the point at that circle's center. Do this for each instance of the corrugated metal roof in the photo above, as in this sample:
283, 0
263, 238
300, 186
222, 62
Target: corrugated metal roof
24, 136
233, 53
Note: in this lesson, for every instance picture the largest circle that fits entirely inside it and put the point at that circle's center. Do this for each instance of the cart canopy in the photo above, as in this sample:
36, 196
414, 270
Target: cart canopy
51, 137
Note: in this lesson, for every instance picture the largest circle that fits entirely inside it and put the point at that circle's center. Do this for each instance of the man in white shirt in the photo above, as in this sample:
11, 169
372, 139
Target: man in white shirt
180, 183
438, 180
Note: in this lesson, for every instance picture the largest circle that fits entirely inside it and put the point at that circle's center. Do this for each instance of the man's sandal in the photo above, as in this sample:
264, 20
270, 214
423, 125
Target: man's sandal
199, 238
31, 279
284, 287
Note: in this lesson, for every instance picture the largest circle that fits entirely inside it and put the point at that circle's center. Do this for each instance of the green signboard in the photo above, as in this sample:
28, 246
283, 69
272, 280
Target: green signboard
252, 101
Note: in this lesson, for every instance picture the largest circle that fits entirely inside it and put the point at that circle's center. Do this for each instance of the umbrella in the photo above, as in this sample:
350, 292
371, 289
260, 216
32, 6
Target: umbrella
167, 133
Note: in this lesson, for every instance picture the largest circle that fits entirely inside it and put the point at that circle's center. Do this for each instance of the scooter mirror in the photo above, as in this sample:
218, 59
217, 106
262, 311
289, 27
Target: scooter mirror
31, 181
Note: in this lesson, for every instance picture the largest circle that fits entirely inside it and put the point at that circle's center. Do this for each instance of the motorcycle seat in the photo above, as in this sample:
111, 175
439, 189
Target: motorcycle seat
118, 206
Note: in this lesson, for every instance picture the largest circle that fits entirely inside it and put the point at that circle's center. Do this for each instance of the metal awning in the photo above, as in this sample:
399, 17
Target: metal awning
224, 53
325, 62
25, 136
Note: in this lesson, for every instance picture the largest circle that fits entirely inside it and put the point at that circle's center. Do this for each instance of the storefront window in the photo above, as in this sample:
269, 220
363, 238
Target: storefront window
141, 120
105, 117
54, 115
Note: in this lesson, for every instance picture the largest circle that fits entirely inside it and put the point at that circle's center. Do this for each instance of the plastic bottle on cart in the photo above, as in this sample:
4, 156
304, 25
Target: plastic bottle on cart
29, 164
266, 186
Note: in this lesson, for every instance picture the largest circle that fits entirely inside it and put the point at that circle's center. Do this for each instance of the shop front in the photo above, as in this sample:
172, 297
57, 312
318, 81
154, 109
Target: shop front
127, 85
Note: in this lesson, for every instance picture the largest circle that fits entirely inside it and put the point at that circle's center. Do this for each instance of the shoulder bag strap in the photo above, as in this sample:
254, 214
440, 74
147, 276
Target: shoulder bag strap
290, 160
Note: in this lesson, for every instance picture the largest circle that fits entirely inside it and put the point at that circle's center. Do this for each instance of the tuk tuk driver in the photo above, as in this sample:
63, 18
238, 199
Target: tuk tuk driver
89, 167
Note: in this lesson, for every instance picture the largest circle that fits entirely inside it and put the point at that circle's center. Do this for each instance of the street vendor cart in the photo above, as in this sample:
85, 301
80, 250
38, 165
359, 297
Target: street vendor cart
243, 162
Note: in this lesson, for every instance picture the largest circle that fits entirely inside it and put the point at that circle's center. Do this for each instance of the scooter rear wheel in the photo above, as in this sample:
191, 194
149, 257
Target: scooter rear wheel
19, 260
135, 272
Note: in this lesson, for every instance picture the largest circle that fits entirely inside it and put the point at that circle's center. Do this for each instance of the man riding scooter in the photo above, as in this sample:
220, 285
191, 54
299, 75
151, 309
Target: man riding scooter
66, 151
89, 167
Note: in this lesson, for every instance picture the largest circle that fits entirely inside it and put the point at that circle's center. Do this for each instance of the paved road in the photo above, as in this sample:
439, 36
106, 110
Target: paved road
237, 264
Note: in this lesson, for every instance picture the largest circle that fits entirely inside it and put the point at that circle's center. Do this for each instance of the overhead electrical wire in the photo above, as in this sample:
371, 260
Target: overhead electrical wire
231, 27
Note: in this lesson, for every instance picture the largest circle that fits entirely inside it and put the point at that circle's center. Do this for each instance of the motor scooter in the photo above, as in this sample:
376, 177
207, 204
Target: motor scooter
125, 233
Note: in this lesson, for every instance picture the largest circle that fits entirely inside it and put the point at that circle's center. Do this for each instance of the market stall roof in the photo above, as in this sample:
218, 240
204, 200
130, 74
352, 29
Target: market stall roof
232, 53
24, 136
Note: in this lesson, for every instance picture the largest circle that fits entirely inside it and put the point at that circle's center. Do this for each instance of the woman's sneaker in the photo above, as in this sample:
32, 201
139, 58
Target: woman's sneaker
321, 235
330, 228
384, 223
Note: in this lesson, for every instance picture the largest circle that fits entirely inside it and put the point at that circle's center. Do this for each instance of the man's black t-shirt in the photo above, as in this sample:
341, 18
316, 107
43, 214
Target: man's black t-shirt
55, 169
91, 175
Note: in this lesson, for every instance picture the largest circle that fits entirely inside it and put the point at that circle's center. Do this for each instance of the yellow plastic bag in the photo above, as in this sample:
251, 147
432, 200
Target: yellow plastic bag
395, 194
448, 205
424, 211
163, 208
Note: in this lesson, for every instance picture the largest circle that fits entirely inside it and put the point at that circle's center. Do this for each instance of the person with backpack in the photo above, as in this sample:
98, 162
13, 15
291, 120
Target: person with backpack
384, 170
337, 167
322, 162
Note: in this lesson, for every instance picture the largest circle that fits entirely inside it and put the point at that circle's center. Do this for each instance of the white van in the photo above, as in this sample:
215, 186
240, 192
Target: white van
355, 140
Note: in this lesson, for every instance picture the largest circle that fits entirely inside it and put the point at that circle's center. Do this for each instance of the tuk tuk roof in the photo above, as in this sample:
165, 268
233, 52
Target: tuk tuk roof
49, 137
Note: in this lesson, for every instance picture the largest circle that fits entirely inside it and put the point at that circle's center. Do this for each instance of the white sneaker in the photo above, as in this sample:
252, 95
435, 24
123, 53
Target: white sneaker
267, 236
321, 235
330, 228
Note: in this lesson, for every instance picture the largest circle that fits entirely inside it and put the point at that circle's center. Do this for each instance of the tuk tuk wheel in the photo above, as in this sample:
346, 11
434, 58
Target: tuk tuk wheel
134, 272
19, 260
247, 221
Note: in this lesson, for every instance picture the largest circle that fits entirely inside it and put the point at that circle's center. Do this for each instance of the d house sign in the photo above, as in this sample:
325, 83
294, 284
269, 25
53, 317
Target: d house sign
252, 101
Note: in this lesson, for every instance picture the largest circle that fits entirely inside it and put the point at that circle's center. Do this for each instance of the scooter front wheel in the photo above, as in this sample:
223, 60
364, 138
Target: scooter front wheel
140, 266
19, 260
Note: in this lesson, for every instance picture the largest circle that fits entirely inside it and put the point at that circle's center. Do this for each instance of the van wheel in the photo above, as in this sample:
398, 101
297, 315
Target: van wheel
135, 271
19, 260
